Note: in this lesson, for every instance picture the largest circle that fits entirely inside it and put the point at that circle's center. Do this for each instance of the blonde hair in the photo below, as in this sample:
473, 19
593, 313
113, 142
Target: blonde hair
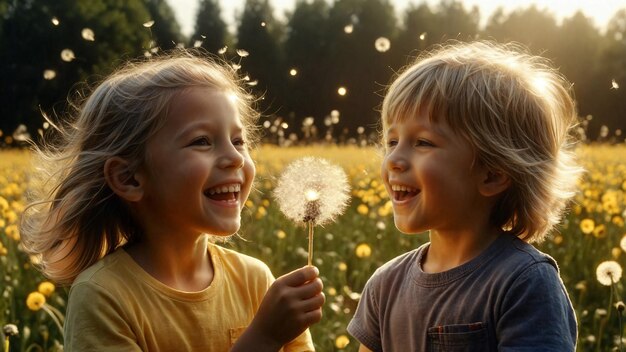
515, 111
73, 203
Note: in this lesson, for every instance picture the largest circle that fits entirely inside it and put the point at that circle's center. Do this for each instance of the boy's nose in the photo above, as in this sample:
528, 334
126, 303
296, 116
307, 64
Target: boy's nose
396, 163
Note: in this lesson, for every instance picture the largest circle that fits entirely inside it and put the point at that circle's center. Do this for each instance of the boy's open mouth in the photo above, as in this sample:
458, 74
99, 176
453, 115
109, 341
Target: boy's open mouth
400, 192
227, 192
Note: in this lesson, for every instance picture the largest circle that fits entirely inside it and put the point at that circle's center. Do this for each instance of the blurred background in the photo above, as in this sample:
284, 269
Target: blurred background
320, 66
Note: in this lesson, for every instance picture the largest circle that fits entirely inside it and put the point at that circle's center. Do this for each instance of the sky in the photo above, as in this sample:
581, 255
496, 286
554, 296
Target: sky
600, 11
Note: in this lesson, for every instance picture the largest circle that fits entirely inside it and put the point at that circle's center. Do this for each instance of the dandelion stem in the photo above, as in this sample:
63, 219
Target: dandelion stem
54, 317
6, 344
310, 223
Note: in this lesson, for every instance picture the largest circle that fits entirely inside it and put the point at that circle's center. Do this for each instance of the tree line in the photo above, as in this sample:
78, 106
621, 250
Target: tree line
324, 68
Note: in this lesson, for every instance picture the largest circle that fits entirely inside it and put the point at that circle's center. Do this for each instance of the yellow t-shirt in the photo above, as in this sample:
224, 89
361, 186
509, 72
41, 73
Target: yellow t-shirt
114, 305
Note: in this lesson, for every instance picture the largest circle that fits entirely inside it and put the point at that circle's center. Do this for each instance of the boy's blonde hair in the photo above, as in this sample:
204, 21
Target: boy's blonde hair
515, 111
73, 201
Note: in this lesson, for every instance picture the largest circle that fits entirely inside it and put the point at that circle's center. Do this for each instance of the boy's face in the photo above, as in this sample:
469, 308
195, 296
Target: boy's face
198, 173
429, 174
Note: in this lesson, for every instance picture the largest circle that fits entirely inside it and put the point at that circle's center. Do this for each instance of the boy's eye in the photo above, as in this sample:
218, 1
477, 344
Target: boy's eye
391, 143
202, 141
423, 143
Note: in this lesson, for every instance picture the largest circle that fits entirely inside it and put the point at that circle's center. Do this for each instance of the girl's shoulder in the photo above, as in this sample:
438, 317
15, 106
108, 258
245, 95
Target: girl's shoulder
238, 262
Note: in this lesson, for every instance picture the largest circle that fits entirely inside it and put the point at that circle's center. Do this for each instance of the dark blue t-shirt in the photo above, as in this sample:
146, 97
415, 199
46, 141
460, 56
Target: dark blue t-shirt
509, 298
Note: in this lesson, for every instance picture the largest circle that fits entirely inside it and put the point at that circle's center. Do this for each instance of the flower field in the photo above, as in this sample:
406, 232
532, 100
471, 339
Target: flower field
589, 246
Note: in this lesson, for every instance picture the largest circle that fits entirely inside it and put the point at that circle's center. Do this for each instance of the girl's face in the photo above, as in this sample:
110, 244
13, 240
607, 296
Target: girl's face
198, 171
429, 174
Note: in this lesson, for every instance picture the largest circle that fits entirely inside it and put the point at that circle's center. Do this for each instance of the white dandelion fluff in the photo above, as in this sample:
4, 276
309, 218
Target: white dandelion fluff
382, 44
88, 34
312, 180
609, 272
148, 24
312, 191
49, 74
67, 55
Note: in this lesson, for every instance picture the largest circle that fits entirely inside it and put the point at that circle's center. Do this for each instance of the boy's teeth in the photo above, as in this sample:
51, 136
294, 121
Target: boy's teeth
224, 189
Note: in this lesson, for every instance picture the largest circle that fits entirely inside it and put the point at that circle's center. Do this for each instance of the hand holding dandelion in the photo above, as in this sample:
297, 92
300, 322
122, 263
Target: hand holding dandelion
312, 191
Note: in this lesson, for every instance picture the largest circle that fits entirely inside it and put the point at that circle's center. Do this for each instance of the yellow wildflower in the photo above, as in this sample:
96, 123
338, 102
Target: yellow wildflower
281, 234
599, 231
342, 341
616, 252
46, 288
363, 250
587, 226
362, 209
342, 266
35, 301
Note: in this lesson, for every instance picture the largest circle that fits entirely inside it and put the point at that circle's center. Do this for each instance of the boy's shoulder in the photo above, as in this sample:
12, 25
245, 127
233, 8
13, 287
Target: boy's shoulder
399, 266
522, 254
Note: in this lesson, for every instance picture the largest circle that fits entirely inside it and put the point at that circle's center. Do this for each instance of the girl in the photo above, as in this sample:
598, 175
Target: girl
156, 159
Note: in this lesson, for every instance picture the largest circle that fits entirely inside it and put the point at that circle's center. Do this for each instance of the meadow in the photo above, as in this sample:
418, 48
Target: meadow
349, 250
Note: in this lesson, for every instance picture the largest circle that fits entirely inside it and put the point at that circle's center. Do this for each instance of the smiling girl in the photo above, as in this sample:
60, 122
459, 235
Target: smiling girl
155, 167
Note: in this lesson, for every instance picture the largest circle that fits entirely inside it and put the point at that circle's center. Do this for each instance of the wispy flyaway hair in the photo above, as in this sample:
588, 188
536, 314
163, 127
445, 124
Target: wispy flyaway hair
73, 203
514, 109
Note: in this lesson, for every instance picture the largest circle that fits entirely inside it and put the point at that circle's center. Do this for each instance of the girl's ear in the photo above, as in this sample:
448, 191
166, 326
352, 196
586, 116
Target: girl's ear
494, 183
121, 180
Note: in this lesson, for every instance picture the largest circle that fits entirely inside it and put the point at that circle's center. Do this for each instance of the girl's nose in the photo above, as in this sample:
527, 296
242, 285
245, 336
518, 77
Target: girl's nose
231, 159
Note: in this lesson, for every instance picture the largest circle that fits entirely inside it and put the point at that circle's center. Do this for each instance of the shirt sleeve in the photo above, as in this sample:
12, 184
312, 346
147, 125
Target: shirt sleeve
365, 325
95, 321
536, 314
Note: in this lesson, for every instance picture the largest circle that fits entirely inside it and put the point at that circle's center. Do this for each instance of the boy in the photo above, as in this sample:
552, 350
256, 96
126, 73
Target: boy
477, 153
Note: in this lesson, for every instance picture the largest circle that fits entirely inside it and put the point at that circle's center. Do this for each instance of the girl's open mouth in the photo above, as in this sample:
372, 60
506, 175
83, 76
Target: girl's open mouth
224, 193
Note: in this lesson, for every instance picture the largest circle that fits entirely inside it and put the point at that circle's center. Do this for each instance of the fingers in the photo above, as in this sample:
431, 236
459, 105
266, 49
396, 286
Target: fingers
310, 289
300, 276
313, 303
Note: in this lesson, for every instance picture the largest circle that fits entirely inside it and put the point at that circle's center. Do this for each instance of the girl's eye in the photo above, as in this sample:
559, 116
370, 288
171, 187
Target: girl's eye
202, 141
239, 142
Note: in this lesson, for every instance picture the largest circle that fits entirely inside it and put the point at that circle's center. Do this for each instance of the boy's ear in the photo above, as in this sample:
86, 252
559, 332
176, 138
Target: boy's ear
493, 183
121, 180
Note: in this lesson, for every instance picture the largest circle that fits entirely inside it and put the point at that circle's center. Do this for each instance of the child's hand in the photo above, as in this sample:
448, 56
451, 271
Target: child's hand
290, 306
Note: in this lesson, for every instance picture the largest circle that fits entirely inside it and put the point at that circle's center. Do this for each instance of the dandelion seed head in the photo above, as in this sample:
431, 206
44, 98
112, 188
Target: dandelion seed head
312, 187
10, 330
242, 53
222, 50
609, 272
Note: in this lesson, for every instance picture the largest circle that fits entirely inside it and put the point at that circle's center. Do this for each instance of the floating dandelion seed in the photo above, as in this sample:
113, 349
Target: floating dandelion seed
55, 21
342, 91
88, 34
242, 53
236, 66
348, 29
263, 24
252, 83
203, 36
423, 36
197, 43
609, 272
67, 55
614, 84
382, 44
49, 74
312, 191
222, 50
148, 24
293, 72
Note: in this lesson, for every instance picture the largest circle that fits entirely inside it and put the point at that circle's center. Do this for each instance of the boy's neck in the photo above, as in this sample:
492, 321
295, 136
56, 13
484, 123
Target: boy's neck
450, 250
182, 266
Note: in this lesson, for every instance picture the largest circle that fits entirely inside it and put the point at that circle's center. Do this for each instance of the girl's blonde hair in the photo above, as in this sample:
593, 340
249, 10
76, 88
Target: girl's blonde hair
515, 111
73, 203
